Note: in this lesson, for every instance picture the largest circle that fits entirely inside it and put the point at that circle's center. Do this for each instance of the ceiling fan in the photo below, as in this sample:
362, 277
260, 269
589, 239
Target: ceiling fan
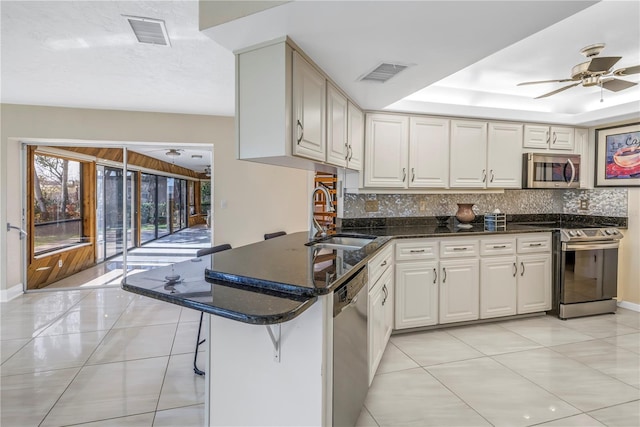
595, 72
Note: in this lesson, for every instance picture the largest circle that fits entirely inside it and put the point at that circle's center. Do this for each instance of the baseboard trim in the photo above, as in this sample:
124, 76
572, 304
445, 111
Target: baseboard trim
629, 306
11, 293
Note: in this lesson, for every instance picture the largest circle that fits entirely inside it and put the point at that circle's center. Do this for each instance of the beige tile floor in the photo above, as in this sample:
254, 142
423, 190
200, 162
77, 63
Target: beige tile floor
105, 357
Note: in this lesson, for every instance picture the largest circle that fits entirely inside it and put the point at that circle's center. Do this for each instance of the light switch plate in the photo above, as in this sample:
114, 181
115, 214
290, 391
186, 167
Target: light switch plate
371, 206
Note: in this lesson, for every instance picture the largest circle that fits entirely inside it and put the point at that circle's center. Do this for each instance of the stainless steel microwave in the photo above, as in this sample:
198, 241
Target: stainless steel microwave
545, 170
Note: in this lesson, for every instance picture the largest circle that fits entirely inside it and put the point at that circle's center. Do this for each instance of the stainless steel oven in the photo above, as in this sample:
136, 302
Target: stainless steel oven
544, 170
588, 271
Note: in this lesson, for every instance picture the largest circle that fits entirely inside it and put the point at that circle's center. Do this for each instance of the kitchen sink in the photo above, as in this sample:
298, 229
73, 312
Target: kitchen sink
338, 241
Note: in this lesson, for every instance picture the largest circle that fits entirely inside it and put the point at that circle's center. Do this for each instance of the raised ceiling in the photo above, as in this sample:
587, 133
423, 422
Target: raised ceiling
468, 56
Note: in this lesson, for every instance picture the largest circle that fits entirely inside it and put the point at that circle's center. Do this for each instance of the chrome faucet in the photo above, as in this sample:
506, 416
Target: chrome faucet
315, 225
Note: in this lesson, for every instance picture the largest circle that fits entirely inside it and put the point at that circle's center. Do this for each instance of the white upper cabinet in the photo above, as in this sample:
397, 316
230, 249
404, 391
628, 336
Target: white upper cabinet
386, 150
428, 152
548, 137
504, 154
337, 128
355, 137
309, 94
468, 153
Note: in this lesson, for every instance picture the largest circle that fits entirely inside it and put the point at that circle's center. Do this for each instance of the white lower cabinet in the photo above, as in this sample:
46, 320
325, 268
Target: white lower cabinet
534, 283
459, 290
416, 294
381, 321
498, 287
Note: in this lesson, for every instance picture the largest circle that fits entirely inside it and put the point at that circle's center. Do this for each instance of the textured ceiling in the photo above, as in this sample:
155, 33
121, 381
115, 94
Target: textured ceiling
468, 56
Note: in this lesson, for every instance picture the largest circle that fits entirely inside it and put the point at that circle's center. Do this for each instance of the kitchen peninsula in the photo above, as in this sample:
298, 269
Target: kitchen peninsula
271, 335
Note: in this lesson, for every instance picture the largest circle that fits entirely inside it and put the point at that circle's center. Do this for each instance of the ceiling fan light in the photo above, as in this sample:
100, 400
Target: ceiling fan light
173, 153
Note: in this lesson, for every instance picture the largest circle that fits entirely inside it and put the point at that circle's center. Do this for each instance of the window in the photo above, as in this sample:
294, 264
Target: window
57, 203
205, 196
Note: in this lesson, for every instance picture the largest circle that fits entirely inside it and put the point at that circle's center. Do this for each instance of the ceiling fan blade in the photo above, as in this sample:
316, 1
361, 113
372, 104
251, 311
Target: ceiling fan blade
557, 90
544, 81
616, 85
601, 64
627, 71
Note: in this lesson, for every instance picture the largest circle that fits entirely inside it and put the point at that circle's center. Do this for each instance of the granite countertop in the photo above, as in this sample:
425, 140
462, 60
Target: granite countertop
275, 280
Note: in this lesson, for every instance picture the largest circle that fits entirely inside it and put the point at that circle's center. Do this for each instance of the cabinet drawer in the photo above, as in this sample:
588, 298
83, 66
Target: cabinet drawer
534, 243
456, 248
379, 264
498, 246
418, 249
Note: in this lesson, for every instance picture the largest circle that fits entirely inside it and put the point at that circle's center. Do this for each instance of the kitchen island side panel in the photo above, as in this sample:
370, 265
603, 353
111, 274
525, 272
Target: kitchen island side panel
249, 388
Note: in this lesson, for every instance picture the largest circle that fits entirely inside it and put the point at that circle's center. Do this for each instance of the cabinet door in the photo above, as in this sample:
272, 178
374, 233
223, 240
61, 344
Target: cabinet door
536, 136
386, 151
428, 152
459, 290
309, 96
468, 154
416, 294
375, 328
355, 138
561, 138
337, 127
581, 142
504, 155
388, 299
534, 283
498, 287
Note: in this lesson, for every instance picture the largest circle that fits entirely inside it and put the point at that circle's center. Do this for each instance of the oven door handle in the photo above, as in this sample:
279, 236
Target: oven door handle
589, 246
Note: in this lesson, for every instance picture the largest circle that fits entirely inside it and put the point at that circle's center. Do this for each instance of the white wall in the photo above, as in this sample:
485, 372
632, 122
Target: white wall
260, 198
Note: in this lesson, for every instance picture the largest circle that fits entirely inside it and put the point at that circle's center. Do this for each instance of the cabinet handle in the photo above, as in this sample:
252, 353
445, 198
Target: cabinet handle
515, 269
522, 265
499, 246
484, 175
535, 244
460, 249
413, 174
547, 137
302, 131
350, 151
491, 180
383, 263
555, 137
435, 275
346, 156
444, 274
386, 294
416, 251
404, 174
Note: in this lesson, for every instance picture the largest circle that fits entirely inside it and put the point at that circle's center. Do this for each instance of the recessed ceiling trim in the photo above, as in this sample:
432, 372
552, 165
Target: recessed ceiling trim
149, 30
383, 72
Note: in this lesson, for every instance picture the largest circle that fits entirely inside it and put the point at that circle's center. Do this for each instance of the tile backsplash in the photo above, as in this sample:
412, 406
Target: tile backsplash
606, 202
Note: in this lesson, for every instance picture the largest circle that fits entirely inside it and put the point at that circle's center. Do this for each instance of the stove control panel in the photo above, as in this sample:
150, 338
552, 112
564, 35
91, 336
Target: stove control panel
587, 234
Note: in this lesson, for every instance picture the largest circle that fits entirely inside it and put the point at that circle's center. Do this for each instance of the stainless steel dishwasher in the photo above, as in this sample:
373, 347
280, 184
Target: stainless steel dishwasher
350, 364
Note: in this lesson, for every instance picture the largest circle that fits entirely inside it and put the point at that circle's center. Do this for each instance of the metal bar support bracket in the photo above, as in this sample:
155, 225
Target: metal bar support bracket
23, 233
275, 340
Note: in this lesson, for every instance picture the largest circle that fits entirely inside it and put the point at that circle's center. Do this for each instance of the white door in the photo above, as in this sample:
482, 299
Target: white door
355, 139
375, 328
459, 290
337, 127
416, 294
498, 287
534, 283
504, 155
468, 154
536, 136
386, 151
562, 138
309, 96
428, 152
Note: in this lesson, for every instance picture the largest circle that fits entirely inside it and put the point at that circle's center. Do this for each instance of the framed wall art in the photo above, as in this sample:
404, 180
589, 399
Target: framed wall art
618, 156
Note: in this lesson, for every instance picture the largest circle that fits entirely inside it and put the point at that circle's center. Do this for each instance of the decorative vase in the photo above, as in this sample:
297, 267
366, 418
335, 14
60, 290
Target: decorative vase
465, 214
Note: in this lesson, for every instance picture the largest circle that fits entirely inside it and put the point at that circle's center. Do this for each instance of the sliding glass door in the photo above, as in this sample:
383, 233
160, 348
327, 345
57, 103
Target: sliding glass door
110, 211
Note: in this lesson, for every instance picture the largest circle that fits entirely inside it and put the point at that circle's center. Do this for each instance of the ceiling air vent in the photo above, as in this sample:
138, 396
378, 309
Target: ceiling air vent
383, 72
149, 30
